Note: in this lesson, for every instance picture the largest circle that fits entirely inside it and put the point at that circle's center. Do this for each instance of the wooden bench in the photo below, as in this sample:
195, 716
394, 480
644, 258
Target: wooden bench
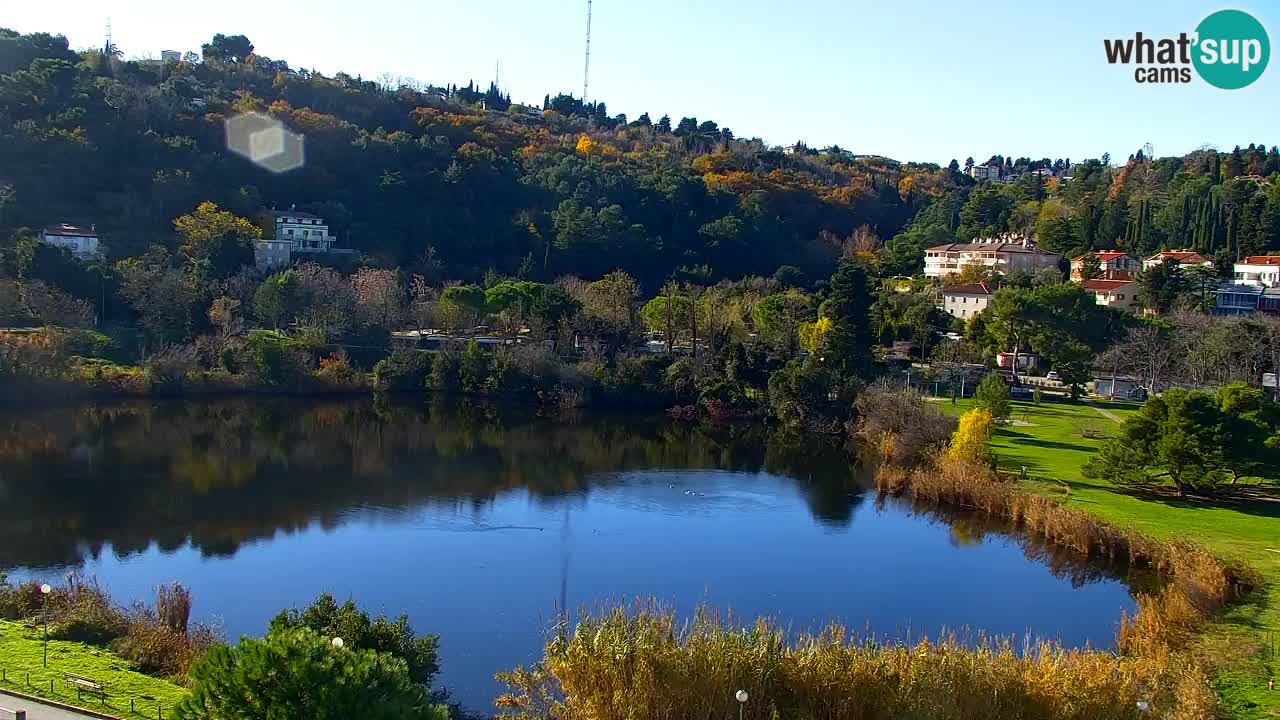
83, 683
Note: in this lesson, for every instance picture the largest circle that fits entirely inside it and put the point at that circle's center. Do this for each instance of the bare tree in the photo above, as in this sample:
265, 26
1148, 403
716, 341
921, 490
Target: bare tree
379, 297
1269, 326
1143, 353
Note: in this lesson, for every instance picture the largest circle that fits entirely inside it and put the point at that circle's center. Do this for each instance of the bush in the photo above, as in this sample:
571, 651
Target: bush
801, 396
298, 674
444, 371
80, 611
899, 423
359, 631
993, 395
275, 358
402, 371
336, 371
167, 368
473, 368
157, 648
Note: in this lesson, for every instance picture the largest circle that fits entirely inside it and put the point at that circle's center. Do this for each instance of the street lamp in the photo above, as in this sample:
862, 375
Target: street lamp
1143, 707
336, 643
45, 589
741, 696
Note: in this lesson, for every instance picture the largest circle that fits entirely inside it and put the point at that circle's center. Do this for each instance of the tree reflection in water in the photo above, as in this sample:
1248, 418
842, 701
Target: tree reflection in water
220, 474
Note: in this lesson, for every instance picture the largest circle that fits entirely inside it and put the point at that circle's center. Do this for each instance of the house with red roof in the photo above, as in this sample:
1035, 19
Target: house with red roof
1182, 257
1115, 265
1119, 294
1260, 271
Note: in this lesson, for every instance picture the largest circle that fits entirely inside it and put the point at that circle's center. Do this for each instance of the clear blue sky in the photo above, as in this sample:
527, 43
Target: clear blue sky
926, 81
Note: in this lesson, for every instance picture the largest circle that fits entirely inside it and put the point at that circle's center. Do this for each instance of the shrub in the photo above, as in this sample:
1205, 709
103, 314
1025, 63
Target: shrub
402, 371
158, 648
359, 631
993, 395
336, 370
800, 396
444, 370
899, 423
473, 368
298, 674
274, 357
167, 368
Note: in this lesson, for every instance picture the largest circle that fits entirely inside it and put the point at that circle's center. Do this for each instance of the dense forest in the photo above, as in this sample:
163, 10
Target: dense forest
467, 179
473, 214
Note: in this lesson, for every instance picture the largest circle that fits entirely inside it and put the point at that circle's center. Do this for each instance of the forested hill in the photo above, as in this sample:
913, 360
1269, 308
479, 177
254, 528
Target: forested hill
465, 180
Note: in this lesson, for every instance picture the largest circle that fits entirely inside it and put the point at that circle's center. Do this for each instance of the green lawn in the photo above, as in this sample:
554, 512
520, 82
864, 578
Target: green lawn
1053, 448
20, 655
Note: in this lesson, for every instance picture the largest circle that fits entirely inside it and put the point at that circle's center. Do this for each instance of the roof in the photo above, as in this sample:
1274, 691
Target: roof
296, 214
1104, 256
1262, 260
978, 288
989, 247
1182, 256
1106, 284
69, 229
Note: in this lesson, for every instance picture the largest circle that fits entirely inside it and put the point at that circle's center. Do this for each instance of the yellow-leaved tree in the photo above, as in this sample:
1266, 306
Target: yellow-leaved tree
812, 333
970, 439
585, 145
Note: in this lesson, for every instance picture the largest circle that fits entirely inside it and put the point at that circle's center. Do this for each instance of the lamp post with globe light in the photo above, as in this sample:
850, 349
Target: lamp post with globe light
336, 643
741, 696
45, 589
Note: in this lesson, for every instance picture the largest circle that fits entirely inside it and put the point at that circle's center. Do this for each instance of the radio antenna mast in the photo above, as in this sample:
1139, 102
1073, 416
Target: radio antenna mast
586, 63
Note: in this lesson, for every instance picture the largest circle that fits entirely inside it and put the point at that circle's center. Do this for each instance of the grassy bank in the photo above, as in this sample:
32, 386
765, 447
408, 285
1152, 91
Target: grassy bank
1056, 442
21, 655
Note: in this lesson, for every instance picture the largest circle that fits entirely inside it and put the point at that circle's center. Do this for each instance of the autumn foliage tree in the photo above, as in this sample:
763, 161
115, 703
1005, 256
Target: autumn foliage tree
969, 443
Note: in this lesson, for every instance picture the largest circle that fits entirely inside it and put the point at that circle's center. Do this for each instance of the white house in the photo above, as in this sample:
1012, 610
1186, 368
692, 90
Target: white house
1114, 265
1183, 257
308, 233
1119, 294
81, 241
985, 172
1261, 271
1003, 254
965, 301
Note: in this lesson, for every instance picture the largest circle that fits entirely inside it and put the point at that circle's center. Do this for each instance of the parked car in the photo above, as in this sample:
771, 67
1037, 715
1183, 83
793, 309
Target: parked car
1053, 375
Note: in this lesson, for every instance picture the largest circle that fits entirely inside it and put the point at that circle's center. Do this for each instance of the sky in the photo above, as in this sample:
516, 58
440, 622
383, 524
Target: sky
928, 80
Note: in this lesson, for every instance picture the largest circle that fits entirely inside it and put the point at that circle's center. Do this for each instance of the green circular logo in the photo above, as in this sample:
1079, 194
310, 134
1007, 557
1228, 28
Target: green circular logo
1231, 49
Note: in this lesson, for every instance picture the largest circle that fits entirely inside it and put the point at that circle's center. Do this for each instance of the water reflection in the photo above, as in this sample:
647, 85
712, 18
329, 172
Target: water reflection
482, 524
221, 474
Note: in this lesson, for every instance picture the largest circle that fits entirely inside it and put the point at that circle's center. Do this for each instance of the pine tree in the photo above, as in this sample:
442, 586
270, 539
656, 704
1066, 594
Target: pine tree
848, 345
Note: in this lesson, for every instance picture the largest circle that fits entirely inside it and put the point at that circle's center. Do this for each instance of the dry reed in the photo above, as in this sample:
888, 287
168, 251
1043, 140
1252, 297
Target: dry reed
641, 663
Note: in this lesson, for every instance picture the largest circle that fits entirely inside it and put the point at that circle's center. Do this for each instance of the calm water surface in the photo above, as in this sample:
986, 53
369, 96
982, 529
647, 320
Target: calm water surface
480, 527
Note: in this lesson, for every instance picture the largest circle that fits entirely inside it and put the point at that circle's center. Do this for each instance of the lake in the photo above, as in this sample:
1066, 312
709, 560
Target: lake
481, 525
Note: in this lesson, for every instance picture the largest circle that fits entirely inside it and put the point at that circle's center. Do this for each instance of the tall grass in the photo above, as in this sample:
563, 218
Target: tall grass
642, 663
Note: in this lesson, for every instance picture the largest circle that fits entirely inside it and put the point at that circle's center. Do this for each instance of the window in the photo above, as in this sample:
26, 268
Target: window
1121, 296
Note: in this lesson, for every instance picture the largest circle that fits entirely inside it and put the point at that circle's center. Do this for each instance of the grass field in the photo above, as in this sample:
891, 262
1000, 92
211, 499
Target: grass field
20, 658
1056, 441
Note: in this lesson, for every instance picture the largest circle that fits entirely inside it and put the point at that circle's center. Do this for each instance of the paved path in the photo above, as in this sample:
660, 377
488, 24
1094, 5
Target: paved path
35, 710
1105, 412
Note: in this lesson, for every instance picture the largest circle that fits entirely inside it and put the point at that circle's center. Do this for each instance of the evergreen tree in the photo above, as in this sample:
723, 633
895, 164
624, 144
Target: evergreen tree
848, 345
